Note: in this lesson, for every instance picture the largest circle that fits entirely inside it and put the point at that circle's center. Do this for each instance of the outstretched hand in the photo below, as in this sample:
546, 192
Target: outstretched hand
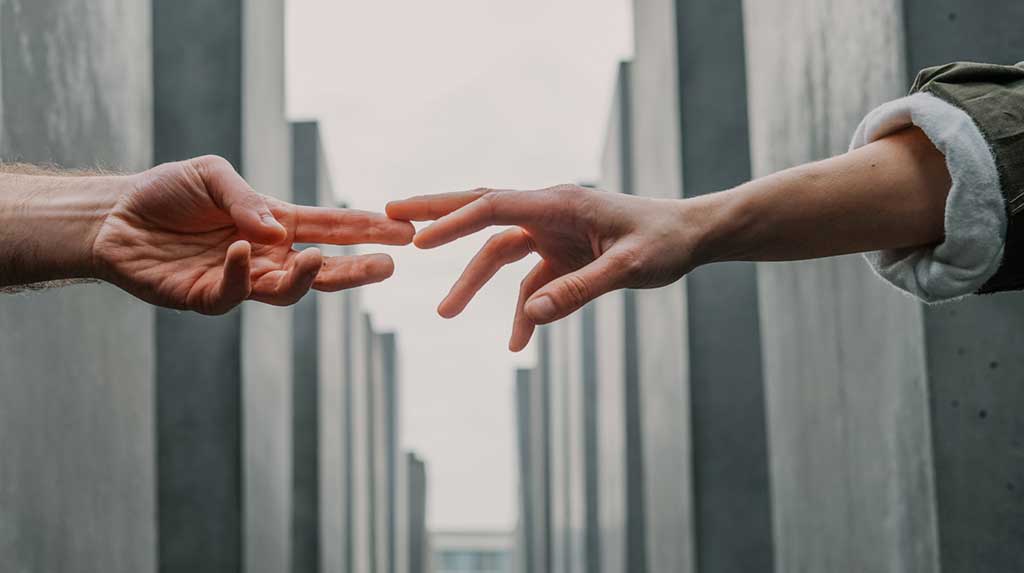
193, 235
590, 243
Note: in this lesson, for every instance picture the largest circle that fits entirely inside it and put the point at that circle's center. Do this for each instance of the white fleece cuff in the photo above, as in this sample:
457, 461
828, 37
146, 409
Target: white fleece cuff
975, 217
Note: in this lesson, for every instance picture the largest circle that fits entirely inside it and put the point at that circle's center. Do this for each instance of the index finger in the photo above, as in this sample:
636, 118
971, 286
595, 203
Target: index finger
332, 226
432, 207
493, 208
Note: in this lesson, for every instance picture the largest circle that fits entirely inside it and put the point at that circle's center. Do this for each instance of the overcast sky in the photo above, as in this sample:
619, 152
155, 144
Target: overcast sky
422, 97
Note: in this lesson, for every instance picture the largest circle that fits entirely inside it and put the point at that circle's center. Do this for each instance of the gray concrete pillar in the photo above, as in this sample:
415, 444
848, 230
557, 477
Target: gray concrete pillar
589, 516
532, 409
266, 330
891, 425
223, 395
541, 421
76, 364
333, 415
527, 485
556, 354
417, 548
197, 56
363, 497
662, 313
385, 449
574, 443
317, 400
732, 498
619, 460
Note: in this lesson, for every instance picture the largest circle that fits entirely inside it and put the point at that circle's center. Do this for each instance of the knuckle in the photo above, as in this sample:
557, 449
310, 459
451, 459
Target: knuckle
523, 284
631, 262
575, 290
495, 242
490, 203
211, 162
568, 193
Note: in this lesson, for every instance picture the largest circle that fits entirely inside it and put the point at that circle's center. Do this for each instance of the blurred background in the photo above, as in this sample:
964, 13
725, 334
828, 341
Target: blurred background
772, 417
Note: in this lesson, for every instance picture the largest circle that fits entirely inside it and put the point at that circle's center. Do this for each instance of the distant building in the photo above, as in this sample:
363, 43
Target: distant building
472, 551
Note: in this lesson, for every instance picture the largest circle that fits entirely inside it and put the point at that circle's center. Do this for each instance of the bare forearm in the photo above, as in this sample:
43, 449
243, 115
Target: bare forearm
889, 194
48, 224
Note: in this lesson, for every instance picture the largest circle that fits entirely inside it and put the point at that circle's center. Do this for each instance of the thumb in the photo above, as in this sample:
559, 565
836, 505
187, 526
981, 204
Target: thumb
568, 293
248, 209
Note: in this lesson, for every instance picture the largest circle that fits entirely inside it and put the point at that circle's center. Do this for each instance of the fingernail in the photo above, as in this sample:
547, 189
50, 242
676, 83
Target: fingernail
541, 309
270, 221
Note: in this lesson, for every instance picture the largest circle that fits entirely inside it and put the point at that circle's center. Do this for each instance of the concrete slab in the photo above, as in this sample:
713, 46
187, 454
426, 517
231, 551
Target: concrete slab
316, 376
620, 461
557, 355
732, 494
973, 362
662, 313
386, 449
845, 355
528, 487
266, 331
418, 547
197, 53
77, 364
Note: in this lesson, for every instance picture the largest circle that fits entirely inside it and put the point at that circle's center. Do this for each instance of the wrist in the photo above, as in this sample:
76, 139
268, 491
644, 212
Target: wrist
51, 224
714, 223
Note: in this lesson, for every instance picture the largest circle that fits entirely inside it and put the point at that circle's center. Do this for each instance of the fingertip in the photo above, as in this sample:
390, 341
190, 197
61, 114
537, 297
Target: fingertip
309, 261
541, 309
409, 233
240, 249
393, 209
517, 345
445, 310
272, 225
382, 266
422, 240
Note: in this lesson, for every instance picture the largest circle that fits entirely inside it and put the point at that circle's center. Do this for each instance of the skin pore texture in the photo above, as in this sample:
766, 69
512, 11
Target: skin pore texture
888, 194
190, 235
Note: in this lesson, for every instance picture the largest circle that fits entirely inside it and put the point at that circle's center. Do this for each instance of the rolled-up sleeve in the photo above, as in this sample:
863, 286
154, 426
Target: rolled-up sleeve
974, 115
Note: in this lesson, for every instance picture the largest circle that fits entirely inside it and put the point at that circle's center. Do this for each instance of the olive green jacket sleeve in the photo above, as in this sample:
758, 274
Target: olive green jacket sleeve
993, 97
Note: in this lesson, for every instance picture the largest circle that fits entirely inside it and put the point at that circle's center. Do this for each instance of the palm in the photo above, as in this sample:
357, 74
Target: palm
182, 241
572, 229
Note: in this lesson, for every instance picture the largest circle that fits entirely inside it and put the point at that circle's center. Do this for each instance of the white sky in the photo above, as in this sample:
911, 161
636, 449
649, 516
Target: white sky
444, 95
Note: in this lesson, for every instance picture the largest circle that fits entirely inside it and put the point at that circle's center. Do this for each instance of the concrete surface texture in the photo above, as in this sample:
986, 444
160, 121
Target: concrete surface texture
620, 463
557, 356
973, 361
542, 436
363, 529
587, 509
732, 494
308, 365
266, 331
197, 53
662, 313
573, 412
76, 365
386, 450
845, 363
527, 526
419, 548
333, 464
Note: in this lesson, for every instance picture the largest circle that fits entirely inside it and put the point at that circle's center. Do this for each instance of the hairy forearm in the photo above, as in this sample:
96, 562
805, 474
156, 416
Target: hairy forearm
49, 222
889, 194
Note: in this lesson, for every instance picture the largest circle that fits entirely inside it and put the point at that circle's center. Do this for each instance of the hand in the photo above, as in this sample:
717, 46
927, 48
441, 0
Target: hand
194, 236
590, 243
